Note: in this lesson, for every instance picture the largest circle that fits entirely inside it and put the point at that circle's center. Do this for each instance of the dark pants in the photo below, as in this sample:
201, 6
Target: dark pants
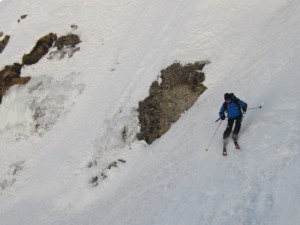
237, 127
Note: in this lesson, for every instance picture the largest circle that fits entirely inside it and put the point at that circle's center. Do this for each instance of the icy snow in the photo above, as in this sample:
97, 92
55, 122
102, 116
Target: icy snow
85, 103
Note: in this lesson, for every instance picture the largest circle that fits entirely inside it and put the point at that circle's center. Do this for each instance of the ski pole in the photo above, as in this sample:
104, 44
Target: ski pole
219, 119
213, 136
257, 107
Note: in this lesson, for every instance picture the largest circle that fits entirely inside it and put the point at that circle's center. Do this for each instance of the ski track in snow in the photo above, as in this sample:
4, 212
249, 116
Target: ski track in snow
92, 97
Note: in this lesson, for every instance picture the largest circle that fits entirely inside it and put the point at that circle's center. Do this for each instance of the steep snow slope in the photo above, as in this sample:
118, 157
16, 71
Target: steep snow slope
254, 50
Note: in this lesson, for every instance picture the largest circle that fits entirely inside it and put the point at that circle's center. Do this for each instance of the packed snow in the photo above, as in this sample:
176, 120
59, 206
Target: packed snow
69, 153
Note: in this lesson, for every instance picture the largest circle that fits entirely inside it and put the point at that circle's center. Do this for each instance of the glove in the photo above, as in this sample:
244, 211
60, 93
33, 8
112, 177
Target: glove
244, 109
222, 117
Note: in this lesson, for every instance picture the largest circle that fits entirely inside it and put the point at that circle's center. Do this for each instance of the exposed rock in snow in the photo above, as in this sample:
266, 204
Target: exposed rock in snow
67, 40
3, 42
180, 88
40, 49
10, 76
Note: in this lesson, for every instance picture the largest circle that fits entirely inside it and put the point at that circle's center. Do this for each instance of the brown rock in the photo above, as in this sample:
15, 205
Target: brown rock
40, 49
4, 42
68, 40
10, 76
180, 88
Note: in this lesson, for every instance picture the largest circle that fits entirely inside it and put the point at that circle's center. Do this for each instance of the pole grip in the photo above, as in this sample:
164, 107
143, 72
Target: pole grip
220, 118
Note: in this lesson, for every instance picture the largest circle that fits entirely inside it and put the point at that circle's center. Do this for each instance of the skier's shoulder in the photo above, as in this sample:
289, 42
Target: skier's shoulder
237, 100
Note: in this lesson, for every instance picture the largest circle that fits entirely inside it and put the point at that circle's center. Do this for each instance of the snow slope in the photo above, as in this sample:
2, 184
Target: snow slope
88, 99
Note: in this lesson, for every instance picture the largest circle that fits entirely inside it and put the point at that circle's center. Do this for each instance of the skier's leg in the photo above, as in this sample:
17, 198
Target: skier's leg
237, 128
228, 129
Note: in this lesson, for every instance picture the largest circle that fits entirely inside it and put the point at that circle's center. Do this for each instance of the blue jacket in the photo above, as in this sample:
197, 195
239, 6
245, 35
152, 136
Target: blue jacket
233, 108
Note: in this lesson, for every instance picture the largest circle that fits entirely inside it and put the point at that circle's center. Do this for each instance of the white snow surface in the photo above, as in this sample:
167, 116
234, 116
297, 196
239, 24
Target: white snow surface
65, 126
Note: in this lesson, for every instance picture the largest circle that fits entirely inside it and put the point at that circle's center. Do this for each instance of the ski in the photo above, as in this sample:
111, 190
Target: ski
237, 146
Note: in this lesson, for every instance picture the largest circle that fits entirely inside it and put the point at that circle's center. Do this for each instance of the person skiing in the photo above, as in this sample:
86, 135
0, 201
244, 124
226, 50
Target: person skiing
234, 108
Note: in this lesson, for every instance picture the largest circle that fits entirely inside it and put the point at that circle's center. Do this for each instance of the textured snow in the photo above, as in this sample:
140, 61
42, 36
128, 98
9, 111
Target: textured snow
84, 104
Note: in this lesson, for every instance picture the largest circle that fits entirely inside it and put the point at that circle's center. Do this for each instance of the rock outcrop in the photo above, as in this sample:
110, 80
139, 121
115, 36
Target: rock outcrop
179, 89
70, 40
4, 42
40, 49
10, 76
66, 46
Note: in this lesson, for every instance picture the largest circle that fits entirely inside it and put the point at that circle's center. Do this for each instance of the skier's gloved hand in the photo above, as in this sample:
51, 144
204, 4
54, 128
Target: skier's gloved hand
222, 117
244, 109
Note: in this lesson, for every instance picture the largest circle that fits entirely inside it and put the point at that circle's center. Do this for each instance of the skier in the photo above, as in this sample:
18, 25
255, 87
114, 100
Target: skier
235, 109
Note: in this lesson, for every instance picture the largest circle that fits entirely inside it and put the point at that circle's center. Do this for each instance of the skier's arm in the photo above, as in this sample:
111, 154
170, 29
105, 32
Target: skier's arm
243, 105
222, 112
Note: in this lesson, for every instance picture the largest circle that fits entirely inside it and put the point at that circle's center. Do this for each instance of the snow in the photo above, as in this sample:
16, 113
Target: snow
83, 104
